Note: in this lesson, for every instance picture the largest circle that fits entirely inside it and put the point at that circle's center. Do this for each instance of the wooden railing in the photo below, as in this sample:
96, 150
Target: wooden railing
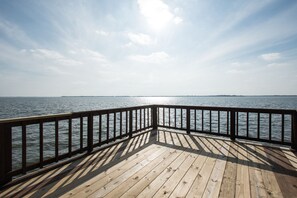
109, 125
265, 125
96, 128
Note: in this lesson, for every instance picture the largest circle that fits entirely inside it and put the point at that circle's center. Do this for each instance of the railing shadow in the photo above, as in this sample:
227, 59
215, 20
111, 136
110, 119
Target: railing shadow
55, 184
266, 157
80, 171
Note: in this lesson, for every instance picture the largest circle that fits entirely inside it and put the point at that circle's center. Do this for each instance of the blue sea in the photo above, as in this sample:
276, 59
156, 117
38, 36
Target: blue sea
30, 106
12, 107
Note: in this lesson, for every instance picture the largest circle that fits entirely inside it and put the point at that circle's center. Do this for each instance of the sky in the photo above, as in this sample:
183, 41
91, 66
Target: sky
148, 47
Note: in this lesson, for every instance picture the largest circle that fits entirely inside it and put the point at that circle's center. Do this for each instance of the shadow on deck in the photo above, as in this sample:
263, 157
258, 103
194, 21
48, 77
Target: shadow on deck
169, 163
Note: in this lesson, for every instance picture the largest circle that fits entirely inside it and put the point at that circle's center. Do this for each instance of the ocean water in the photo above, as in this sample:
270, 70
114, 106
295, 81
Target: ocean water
20, 107
31, 106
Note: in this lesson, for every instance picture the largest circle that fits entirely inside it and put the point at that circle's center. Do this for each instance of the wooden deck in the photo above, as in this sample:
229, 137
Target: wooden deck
171, 164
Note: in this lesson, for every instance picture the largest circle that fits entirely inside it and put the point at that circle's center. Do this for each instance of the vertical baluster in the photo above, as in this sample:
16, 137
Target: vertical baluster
163, 116
130, 123
210, 122
195, 118
228, 122
144, 117
149, 117
41, 144
136, 121
81, 132
202, 120
127, 122
258, 126
69, 137
90, 133
283, 127
140, 119
247, 124
121, 123
188, 118
294, 130
219, 120
169, 116
175, 117
100, 129
107, 127
269, 126
154, 117
57, 140
24, 149
114, 125
181, 118
232, 125
237, 120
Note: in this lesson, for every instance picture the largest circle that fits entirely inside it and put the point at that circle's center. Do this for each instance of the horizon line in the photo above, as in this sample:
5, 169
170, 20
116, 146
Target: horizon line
215, 95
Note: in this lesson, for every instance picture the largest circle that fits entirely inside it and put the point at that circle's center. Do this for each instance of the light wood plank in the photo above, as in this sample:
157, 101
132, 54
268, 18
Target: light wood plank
164, 168
169, 178
115, 170
255, 175
283, 172
92, 189
163, 161
214, 183
198, 187
229, 178
291, 157
78, 172
242, 180
185, 184
269, 180
118, 181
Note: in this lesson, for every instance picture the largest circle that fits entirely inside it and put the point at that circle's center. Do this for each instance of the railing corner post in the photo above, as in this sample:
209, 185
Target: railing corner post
90, 133
154, 117
232, 125
294, 130
188, 121
5, 154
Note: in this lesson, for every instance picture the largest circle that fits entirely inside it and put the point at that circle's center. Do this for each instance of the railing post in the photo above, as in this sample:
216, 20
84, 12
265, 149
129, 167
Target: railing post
130, 123
154, 117
188, 121
90, 133
5, 154
232, 125
294, 130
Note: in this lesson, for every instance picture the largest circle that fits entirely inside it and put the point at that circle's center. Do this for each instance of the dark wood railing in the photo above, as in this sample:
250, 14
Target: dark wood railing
96, 128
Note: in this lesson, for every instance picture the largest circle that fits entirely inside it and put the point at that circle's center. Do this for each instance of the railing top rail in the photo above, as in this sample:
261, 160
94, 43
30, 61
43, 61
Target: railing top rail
238, 109
68, 115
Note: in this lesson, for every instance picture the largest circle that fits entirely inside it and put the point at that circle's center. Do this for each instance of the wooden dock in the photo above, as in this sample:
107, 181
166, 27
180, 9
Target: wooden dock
171, 164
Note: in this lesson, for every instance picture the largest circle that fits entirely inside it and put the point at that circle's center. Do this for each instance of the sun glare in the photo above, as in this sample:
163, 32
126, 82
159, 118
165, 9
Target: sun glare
156, 13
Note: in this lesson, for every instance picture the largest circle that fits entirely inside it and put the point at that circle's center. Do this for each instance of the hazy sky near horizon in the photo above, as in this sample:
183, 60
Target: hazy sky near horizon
148, 47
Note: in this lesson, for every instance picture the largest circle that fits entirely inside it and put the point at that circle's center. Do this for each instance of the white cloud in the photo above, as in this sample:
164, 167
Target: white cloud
271, 56
139, 38
177, 20
51, 55
101, 33
93, 55
277, 65
156, 57
157, 13
234, 71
